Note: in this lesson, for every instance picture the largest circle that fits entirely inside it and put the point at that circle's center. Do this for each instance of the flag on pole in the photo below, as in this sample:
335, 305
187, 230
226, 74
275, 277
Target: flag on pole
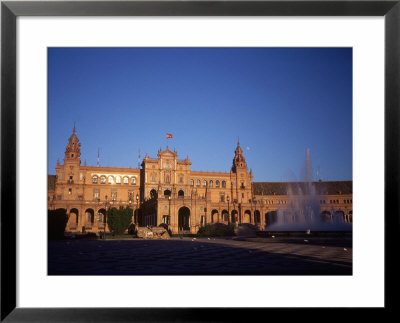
169, 135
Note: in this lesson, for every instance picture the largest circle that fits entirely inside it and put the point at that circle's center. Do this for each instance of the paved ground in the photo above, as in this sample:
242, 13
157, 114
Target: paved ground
202, 256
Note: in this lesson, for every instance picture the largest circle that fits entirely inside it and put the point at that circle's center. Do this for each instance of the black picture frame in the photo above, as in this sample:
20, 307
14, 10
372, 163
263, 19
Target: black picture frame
10, 10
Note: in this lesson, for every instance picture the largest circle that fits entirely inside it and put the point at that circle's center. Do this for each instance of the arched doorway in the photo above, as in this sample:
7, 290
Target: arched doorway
225, 216
101, 215
184, 218
325, 216
257, 218
214, 216
247, 216
89, 217
338, 217
101, 218
270, 218
74, 218
234, 216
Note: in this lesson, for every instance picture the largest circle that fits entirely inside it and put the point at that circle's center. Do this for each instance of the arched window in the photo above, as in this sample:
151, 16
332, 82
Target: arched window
210, 184
191, 182
153, 193
223, 184
133, 180
204, 183
118, 180
167, 178
126, 180
198, 182
94, 179
110, 180
167, 193
181, 179
181, 194
216, 183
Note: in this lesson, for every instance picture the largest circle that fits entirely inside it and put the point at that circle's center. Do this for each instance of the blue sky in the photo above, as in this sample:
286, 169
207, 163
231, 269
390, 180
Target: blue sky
277, 101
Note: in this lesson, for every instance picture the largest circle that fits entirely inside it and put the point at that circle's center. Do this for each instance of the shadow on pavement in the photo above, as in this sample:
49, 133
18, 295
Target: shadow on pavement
195, 257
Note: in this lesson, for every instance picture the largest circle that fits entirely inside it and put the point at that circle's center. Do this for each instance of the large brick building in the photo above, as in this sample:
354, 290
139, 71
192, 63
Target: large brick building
166, 190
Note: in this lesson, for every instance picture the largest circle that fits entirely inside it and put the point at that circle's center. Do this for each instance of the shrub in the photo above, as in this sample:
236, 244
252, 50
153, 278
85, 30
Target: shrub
56, 223
217, 230
118, 220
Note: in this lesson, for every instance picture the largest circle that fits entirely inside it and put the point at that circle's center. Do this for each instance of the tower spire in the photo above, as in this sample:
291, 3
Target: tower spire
73, 149
239, 160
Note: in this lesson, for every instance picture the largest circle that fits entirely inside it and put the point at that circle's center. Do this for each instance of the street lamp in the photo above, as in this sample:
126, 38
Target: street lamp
137, 205
105, 215
227, 198
169, 209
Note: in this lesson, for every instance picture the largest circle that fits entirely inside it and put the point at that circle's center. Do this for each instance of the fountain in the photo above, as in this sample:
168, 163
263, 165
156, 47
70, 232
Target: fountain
302, 215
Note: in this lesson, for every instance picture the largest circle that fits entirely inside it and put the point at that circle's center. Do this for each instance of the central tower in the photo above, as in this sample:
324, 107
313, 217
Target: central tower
241, 178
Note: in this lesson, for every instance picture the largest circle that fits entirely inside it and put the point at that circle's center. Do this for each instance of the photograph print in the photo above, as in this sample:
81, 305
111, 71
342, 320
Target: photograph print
200, 161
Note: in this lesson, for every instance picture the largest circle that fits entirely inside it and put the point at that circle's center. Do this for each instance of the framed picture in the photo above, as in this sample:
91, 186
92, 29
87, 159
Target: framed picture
18, 229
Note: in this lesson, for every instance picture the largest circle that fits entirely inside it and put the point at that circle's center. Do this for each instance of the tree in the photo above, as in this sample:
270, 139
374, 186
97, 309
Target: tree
118, 220
56, 223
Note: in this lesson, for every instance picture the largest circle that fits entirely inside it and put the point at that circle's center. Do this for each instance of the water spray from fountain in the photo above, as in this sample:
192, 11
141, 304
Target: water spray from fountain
302, 212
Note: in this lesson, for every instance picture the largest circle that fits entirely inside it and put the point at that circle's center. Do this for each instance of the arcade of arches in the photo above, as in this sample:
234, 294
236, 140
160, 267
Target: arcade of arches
164, 190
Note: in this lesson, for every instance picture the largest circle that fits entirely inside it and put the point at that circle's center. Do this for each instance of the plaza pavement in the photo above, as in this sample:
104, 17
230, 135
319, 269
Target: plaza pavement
201, 256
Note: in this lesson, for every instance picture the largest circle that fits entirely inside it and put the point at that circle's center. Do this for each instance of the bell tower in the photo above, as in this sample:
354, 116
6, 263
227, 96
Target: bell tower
239, 163
241, 178
73, 150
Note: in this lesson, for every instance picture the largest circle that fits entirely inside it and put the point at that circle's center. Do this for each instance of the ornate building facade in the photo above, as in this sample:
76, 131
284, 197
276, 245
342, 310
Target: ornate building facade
166, 190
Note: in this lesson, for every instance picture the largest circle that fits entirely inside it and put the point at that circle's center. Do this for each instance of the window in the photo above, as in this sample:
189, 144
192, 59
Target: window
94, 179
110, 180
126, 180
167, 178
118, 180
70, 191
223, 184
180, 179
58, 197
113, 195
210, 184
191, 183
133, 180
216, 183
198, 183
153, 178
102, 179
96, 194
204, 183
222, 197
80, 197
130, 195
